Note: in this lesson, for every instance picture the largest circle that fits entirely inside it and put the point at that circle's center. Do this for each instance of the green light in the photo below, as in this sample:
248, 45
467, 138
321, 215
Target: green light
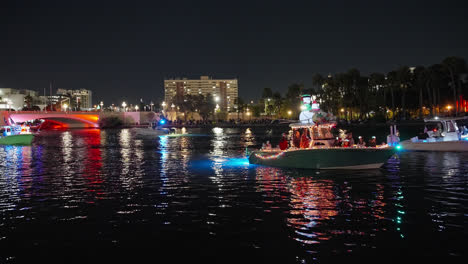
398, 147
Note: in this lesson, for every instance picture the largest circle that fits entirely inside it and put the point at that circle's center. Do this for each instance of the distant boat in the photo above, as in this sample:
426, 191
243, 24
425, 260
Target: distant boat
443, 134
15, 135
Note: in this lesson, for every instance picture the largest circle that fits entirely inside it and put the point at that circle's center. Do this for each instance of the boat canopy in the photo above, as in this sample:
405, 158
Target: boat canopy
440, 119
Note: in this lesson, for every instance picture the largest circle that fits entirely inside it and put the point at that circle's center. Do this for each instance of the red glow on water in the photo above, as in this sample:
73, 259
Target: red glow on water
53, 125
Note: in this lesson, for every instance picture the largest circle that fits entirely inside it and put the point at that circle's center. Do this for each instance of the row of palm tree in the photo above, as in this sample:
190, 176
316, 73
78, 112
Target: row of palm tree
399, 94
402, 92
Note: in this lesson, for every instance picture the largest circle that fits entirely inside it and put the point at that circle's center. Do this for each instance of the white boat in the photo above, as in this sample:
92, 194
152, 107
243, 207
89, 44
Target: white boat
440, 134
148, 131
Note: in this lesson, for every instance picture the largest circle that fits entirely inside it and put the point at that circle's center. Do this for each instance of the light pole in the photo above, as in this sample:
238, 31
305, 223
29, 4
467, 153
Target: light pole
124, 105
102, 105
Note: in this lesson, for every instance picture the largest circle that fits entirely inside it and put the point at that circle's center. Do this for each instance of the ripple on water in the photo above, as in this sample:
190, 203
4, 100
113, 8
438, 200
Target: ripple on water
110, 188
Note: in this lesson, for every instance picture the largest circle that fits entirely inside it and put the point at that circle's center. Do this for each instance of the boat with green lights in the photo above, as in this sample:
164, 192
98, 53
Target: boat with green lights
15, 135
312, 145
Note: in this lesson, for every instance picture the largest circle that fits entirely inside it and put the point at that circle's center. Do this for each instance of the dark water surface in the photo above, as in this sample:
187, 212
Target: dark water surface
110, 195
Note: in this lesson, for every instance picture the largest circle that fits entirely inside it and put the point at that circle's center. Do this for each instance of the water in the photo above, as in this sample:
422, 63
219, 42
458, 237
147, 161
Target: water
110, 195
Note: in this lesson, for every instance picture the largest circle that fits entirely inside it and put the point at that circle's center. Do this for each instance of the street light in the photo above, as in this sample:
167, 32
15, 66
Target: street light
136, 108
151, 105
101, 104
124, 105
289, 113
65, 106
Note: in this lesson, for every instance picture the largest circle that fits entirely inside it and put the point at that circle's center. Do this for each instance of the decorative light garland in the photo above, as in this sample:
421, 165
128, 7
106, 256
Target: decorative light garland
270, 156
275, 156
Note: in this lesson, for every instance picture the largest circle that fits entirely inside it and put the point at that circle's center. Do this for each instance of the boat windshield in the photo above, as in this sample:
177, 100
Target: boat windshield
433, 126
319, 132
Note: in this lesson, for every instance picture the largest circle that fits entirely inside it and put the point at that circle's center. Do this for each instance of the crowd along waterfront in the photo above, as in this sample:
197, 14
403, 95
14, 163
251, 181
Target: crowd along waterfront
113, 195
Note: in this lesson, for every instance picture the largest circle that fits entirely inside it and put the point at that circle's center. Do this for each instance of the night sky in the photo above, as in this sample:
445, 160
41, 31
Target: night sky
125, 49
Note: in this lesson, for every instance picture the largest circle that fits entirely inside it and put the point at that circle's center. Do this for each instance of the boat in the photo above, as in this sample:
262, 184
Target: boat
440, 134
148, 131
15, 135
322, 149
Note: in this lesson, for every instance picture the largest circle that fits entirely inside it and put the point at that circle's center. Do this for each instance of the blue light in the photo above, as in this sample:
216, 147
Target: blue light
236, 162
162, 121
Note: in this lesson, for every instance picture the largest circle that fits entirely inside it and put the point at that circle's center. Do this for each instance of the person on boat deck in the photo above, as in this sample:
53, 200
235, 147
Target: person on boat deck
373, 142
305, 139
346, 143
283, 144
438, 132
337, 142
349, 137
268, 145
297, 139
361, 142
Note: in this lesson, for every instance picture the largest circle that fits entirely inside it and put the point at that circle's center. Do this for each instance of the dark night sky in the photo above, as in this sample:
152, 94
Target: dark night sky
124, 49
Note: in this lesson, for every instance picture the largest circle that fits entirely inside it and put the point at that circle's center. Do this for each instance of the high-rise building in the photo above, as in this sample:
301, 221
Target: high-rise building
223, 91
15, 98
81, 98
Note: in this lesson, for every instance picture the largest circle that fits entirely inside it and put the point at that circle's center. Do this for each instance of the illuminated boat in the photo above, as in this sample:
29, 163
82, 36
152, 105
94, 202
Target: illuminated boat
323, 155
15, 135
321, 151
440, 134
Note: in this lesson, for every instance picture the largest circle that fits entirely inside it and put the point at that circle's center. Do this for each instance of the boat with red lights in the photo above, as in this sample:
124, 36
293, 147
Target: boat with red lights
312, 145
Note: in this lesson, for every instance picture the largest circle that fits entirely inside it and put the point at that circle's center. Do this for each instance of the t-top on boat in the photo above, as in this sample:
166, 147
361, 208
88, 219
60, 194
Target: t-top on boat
440, 134
314, 147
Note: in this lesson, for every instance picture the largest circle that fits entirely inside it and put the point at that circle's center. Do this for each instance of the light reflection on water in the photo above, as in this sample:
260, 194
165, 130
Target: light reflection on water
96, 186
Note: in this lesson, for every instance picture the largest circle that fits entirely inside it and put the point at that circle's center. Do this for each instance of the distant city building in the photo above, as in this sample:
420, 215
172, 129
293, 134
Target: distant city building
223, 91
80, 98
14, 98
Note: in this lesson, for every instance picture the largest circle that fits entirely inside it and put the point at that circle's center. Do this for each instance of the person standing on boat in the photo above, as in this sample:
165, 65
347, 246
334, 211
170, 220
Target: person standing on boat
297, 139
350, 138
337, 142
361, 142
304, 139
283, 142
373, 142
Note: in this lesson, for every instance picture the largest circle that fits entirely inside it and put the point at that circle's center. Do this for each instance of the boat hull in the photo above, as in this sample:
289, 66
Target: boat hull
459, 145
339, 158
21, 140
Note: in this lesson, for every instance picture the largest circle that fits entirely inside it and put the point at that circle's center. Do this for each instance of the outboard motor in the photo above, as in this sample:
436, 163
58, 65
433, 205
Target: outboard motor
393, 139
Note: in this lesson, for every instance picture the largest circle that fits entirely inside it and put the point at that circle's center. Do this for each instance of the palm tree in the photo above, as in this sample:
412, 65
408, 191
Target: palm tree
376, 83
454, 67
240, 104
277, 103
404, 81
419, 82
390, 83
